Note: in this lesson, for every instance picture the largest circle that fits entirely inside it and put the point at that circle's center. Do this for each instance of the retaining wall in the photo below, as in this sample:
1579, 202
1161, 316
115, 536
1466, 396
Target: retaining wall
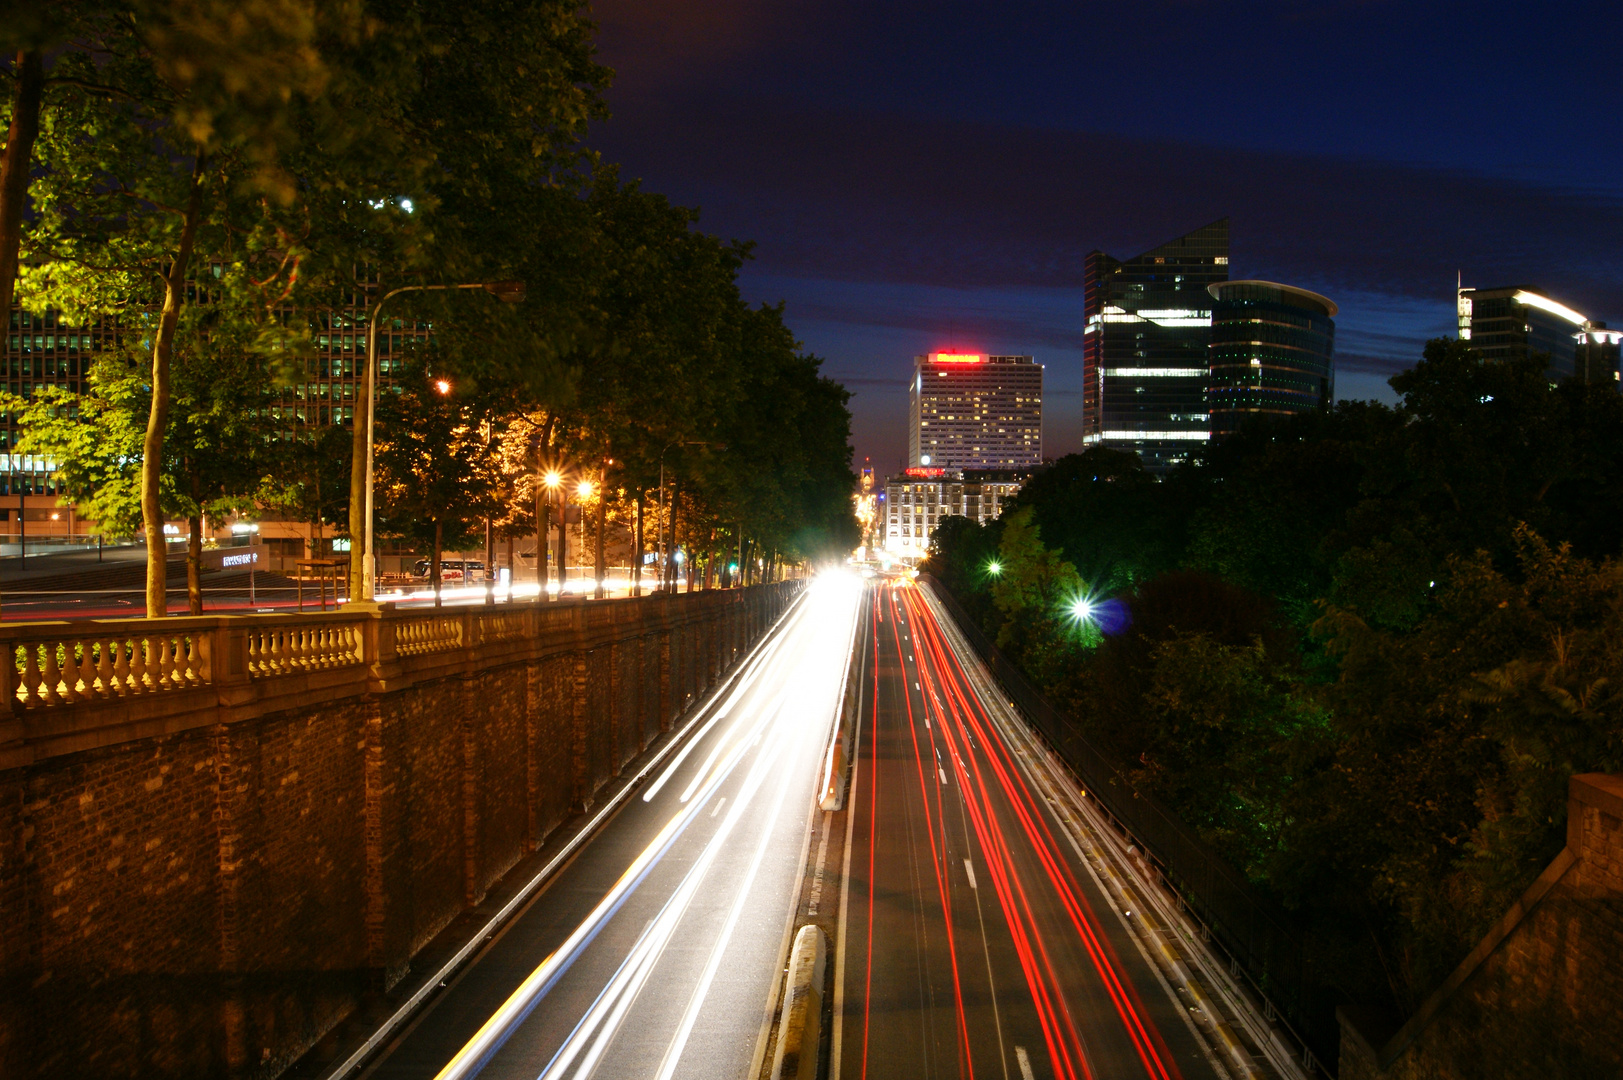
1542, 995
217, 833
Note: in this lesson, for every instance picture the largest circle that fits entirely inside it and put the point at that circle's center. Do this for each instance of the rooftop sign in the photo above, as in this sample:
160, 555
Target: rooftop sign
956, 358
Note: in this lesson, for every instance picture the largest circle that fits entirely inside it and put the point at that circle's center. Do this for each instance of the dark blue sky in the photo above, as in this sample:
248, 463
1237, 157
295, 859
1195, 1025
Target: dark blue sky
918, 175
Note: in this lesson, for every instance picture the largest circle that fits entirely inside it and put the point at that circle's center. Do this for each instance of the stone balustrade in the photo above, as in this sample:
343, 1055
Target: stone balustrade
218, 834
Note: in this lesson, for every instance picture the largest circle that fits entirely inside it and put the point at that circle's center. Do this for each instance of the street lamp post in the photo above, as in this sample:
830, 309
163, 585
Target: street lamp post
508, 292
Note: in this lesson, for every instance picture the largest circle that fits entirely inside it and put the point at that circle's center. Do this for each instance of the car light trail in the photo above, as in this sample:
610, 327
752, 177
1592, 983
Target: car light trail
962, 716
795, 676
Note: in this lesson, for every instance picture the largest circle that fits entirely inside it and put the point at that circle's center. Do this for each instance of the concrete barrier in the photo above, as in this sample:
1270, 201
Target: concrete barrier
800, 1030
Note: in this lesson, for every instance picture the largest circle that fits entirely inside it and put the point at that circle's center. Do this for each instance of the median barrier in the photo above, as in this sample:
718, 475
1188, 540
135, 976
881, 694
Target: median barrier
800, 1030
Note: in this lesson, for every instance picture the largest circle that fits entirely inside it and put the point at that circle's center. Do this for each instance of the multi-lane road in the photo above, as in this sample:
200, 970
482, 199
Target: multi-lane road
653, 953
975, 943
971, 939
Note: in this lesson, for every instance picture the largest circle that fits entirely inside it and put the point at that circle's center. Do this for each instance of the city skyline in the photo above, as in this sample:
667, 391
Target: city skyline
827, 136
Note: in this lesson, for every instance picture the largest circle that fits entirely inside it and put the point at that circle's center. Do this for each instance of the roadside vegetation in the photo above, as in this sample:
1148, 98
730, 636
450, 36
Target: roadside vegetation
221, 182
1361, 652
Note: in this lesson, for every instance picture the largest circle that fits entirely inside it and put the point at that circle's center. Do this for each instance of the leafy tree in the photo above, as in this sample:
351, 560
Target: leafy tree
435, 476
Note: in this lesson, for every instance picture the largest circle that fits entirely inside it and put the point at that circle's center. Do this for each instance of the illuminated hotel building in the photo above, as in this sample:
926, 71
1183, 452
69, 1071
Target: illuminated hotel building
913, 504
1270, 353
969, 411
1516, 321
1596, 358
1149, 320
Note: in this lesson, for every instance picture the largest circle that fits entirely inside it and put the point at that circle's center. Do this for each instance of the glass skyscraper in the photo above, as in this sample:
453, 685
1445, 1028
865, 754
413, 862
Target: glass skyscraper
1517, 320
1271, 352
1144, 351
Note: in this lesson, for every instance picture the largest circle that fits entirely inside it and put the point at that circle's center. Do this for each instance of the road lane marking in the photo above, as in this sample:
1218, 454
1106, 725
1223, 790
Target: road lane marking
969, 868
719, 805
1025, 1063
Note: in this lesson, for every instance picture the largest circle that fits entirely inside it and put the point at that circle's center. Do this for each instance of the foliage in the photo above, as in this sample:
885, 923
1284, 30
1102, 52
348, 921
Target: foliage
1367, 647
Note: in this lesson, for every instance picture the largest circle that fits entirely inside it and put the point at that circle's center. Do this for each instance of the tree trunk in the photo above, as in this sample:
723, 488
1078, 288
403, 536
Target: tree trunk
512, 565
15, 167
563, 544
163, 347
434, 561
600, 564
194, 564
636, 556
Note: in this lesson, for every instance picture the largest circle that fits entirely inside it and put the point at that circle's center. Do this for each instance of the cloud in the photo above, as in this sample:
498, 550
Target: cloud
886, 197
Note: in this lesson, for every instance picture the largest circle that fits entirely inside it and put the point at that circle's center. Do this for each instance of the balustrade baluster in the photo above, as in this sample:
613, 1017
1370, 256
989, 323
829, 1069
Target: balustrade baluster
52, 675
139, 665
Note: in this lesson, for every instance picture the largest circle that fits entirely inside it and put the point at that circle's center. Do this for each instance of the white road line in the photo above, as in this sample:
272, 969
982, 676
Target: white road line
1025, 1063
719, 805
969, 868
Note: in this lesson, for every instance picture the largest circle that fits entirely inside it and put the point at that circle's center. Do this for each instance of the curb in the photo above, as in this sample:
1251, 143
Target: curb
800, 1032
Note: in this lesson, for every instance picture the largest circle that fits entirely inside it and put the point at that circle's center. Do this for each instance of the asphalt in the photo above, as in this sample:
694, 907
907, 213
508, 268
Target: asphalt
653, 953
977, 944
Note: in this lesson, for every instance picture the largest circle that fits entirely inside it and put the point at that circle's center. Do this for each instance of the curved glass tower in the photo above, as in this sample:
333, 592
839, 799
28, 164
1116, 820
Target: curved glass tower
1270, 352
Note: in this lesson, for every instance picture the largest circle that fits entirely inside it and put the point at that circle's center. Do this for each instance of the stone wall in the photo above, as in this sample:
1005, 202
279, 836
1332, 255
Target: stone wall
216, 834
1542, 995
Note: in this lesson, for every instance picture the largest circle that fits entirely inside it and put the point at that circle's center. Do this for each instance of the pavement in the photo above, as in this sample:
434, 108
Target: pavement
654, 951
974, 941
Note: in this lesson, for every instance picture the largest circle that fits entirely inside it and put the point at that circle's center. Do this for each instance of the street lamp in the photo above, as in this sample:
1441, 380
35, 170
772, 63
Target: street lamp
552, 480
508, 292
994, 568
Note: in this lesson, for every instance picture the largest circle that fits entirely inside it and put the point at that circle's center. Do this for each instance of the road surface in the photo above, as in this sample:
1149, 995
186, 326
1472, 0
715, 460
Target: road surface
653, 953
976, 943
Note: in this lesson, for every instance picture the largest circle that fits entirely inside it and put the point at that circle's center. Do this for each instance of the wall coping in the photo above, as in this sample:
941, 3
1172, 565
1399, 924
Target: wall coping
67, 687
1600, 790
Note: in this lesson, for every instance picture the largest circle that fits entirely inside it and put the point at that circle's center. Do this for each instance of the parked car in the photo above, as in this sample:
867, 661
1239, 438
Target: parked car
452, 569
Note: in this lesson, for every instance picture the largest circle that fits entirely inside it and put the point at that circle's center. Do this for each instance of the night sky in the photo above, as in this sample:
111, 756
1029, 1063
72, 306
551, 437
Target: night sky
918, 176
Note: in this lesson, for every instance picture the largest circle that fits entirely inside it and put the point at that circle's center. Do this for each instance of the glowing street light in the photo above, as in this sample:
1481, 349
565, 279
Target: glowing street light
1082, 609
552, 479
584, 489
508, 292
443, 386
994, 568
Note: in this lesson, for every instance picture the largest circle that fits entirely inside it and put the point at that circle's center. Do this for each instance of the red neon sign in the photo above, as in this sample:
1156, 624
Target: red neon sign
916, 471
957, 358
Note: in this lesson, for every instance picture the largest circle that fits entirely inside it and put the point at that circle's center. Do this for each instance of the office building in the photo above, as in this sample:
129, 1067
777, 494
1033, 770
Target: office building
969, 411
914, 503
1270, 353
1595, 359
1148, 326
1516, 320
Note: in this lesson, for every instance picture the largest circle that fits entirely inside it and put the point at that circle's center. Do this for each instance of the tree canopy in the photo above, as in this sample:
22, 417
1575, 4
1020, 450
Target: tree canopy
1363, 650
223, 181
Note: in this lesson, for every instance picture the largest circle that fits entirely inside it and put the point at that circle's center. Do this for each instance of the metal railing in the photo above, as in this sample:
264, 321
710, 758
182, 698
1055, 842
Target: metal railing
1262, 944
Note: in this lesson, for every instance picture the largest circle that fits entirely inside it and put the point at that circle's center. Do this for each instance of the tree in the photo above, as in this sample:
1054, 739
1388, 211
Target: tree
165, 142
435, 478
216, 447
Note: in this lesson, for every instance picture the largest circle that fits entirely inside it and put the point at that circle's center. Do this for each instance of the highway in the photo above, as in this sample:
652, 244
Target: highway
976, 944
653, 952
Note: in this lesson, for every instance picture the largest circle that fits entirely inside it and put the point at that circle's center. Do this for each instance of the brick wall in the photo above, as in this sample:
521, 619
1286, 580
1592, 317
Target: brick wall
210, 899
1542, 995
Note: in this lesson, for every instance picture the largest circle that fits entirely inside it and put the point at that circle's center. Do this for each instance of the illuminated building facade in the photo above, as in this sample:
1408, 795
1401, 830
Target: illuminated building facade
913, 504
1270, 353
1516, 321
1595, 359
969, 411
1144, 350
